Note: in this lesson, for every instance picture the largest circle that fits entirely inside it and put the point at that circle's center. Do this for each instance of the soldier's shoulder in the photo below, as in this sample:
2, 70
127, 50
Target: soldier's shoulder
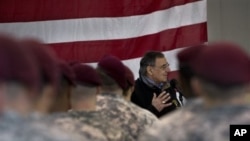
33, 130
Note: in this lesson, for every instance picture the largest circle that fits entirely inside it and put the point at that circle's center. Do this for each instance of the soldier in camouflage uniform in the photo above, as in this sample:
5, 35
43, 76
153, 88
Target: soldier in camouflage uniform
47, 63
83, 116
111, 101
47, 95
49, 100
19, 77
222, 79
185, 71
197, 123
19, 82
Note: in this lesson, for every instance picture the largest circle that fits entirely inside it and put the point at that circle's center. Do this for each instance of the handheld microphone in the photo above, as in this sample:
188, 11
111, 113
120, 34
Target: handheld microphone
174, 85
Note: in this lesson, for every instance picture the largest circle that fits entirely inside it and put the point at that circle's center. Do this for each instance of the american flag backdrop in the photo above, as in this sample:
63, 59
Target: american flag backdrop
85, 30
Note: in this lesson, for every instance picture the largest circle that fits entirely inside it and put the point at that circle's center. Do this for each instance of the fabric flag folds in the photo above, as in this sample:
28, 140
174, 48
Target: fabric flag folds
85, 30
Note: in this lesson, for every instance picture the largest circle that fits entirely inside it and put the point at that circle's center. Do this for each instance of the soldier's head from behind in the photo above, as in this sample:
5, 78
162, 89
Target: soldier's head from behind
185, 71
155, 66
66, 83
130, 84
87, 86
113, 75
222, 74
49, 74
19, 76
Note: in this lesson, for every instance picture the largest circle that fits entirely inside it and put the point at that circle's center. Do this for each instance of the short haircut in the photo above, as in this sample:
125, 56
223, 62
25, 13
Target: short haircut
14, 90
81, 92
221, 92
108, 84
149, 60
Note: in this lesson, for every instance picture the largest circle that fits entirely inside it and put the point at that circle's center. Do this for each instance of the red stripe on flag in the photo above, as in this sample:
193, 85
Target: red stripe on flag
92, 51
39, 10
173, 75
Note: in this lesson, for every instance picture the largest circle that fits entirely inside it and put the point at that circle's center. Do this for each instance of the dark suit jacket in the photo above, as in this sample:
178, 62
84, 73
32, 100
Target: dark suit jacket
143, 95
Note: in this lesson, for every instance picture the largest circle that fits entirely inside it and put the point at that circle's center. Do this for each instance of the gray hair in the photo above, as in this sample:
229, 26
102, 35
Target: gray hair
149, 60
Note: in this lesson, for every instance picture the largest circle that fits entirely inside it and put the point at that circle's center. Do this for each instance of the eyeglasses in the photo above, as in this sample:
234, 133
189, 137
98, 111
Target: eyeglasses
163, 67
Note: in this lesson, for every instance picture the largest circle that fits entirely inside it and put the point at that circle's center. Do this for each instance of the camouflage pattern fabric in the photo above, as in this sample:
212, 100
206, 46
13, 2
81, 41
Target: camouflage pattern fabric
93, 123
148, 118
69, 124
124, 114
96, 119
197, 123
14, 128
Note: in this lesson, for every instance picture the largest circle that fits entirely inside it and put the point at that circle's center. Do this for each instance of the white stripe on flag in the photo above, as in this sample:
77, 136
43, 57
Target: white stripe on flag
88, 29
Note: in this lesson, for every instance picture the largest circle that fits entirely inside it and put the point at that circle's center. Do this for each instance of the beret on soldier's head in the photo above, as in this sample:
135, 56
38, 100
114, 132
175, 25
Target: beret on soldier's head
130, 76
86, 75
187, 55
223, 63
114, 68
72, 63
16, 65
46, 59
67, 72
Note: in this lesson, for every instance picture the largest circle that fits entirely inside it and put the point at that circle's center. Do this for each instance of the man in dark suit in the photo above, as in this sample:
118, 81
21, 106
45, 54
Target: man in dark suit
152, 90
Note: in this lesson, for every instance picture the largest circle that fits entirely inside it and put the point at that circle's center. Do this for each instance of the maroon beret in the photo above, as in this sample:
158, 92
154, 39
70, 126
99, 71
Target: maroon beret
86, 75
46, 59
185, 56
67, 71
16, 65
72, 63
130, 76
114, 68
224, 64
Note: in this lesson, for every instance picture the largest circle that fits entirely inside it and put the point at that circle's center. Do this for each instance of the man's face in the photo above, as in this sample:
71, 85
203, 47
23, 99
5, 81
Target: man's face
159, 71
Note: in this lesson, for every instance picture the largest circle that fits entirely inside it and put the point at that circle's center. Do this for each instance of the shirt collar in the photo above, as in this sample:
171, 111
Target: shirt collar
151, 83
